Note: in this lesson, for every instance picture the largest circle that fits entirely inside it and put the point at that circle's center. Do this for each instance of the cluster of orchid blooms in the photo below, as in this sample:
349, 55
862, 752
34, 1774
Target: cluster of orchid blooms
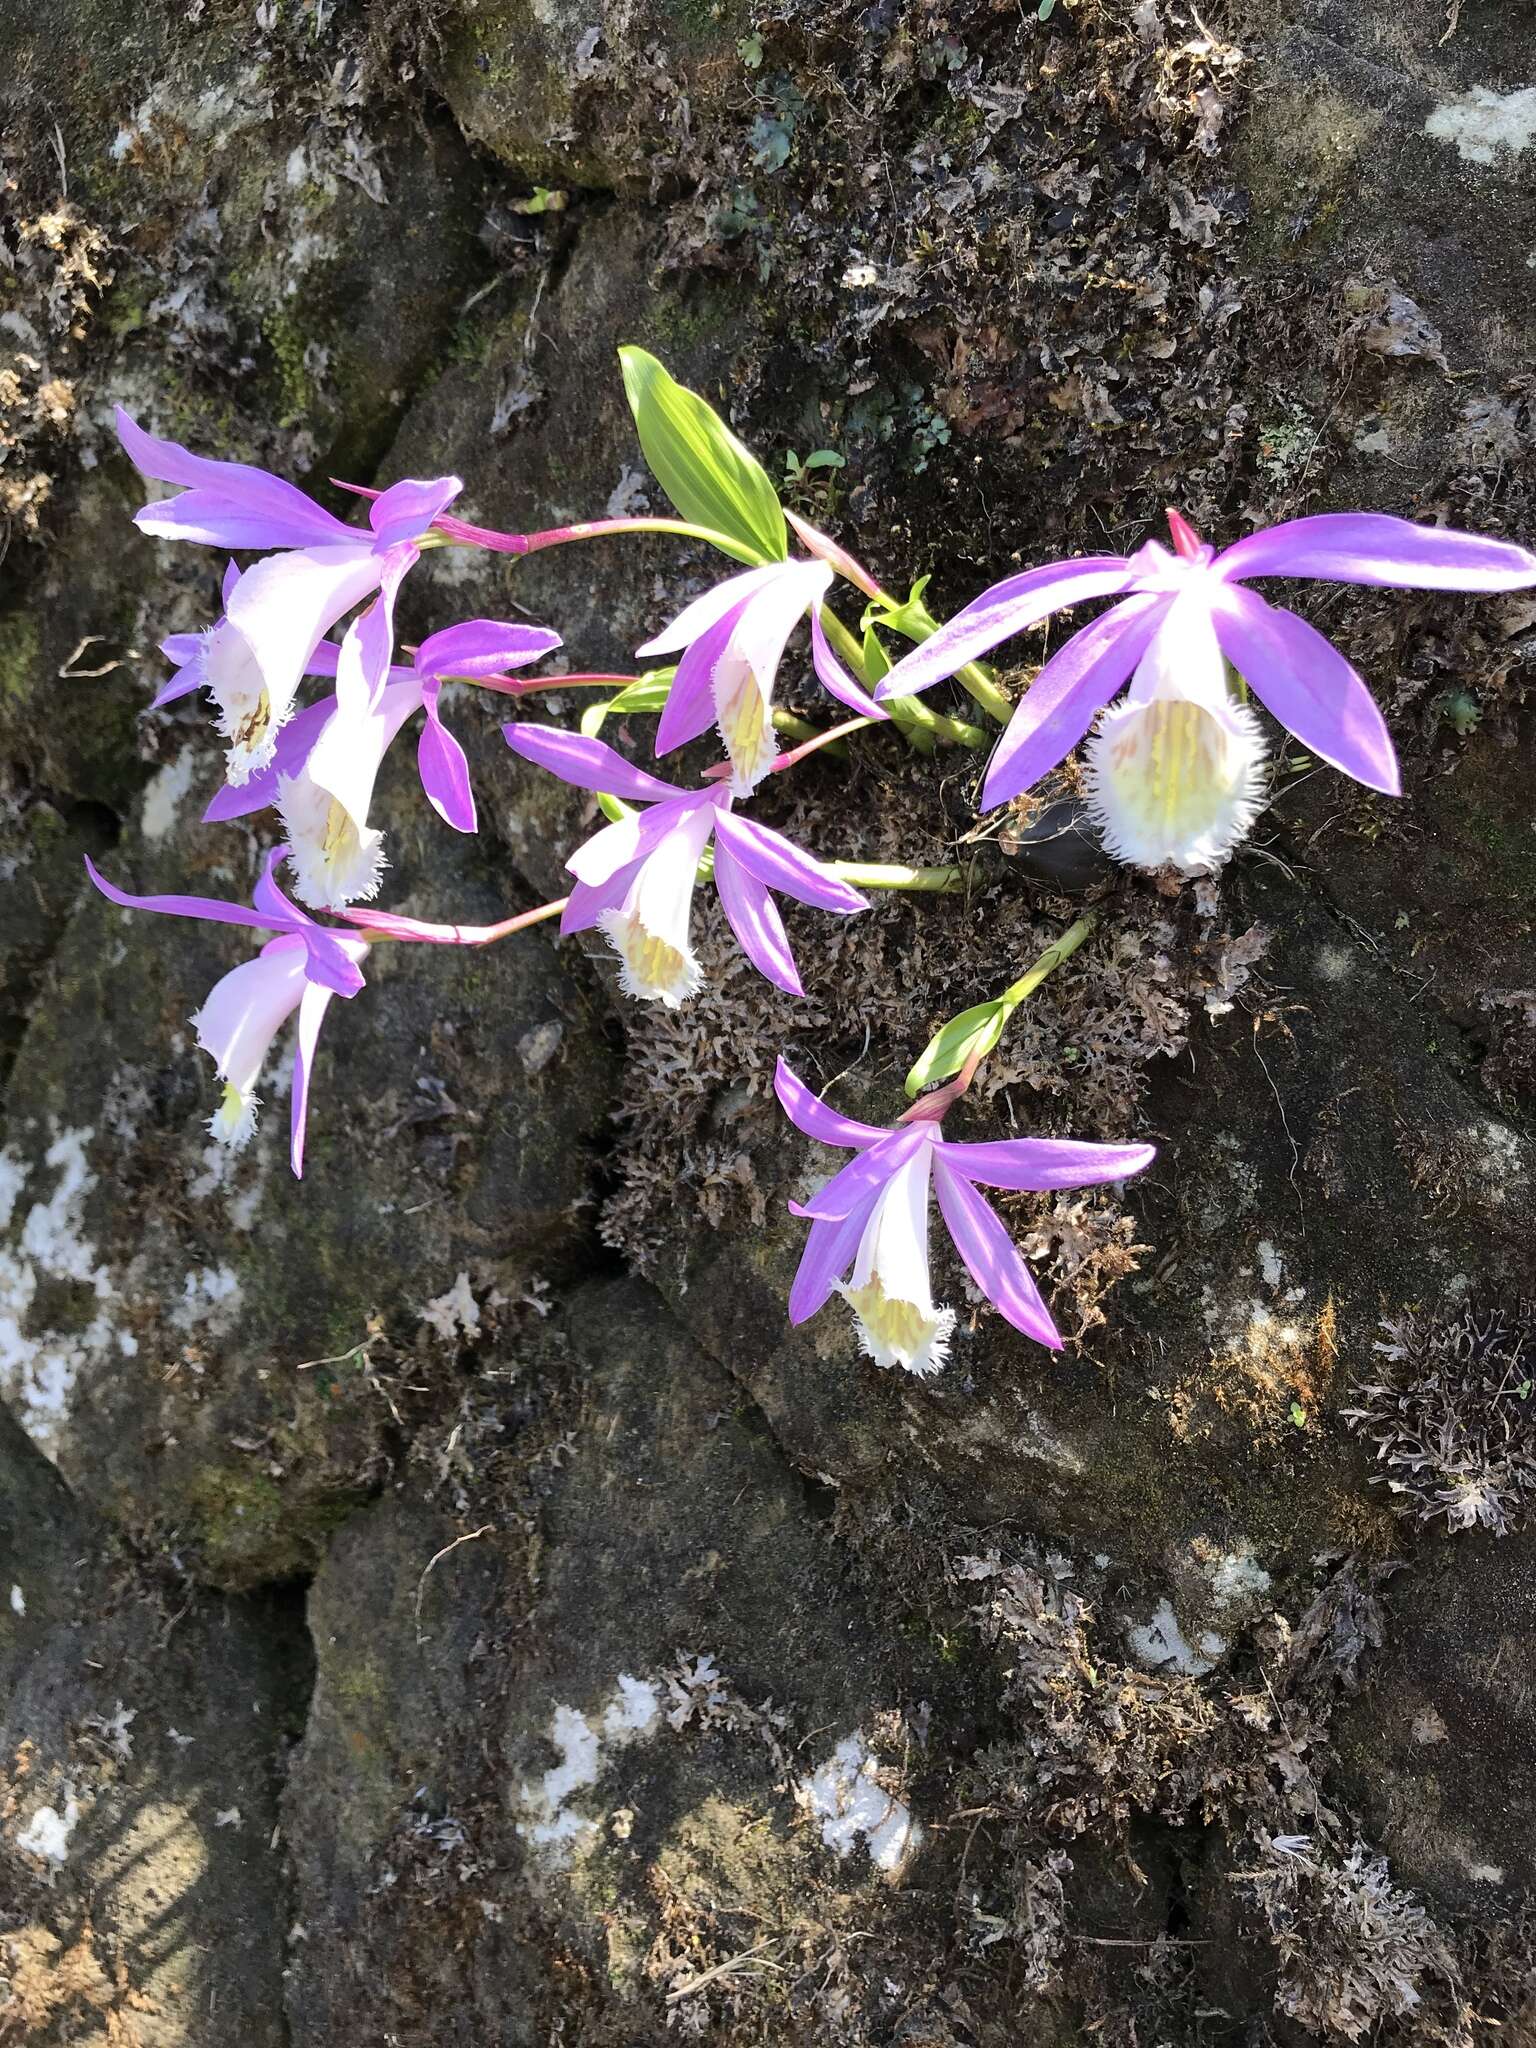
1174, 773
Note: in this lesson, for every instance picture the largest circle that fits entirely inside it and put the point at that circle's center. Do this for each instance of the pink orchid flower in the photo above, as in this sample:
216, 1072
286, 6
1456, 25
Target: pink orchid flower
732, 640
635, 879
1175, 772
299, 970
869, 1224
327, 757
278, 611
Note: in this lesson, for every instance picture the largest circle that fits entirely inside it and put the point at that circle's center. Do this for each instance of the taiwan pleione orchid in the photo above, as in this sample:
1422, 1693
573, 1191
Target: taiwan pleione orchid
869, 1224
1175, 772
277, 612
298, 970
635, 878
731, 642
327, 758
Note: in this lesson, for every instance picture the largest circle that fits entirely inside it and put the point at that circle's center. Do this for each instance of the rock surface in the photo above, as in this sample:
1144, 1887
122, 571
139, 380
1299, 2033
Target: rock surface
442, 1601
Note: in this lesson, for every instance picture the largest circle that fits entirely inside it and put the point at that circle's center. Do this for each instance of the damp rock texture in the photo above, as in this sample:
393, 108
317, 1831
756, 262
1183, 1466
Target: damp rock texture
443, 1601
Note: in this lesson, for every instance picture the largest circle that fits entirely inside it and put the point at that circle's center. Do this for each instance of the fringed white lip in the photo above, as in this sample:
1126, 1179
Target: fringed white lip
649, 930
248, 719
744, 716
244, 1012
337, 856
889, 1290
1173, 784
334, 859
1175, 771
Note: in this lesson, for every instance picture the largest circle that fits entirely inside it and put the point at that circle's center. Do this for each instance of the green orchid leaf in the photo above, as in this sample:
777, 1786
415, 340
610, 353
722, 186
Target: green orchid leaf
973, 1031
710, 477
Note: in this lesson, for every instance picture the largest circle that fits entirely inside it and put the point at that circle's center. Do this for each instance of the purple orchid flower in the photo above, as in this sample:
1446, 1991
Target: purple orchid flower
872, 1218
732, 640
327, 757
279, 610
635, 879
300, 969
1175, 772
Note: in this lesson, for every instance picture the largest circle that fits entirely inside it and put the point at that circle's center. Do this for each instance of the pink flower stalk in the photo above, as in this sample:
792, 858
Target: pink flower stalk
278, 611
635, 879
327, 757
869, 1224
1175, 772
300, 969
732, 640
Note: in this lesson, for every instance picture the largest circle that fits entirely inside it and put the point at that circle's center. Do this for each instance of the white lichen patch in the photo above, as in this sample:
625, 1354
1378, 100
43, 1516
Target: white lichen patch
1482, 124
553, 1823
47, 1833
1159, 1644
453, 1312
165, 795
1238, 1579
848, 1798
18, 1601
39, 1368
210, 1300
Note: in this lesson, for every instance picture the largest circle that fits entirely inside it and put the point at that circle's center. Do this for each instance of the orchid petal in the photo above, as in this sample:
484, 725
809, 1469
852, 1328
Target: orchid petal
284, 606
312, 1008
181, 647
182, 684
483, 647
294, 744
406, 510
783, 867
834, 678
213, 908
444, 772
708, 610
1009, 607
223, 504
808, 1113
1063, 700
587, 763
690, 706
1044, 1163
754, 918
1375, 548
867, 1172
626, 840
1306, 683
992, 1258
830, 1249
588, 900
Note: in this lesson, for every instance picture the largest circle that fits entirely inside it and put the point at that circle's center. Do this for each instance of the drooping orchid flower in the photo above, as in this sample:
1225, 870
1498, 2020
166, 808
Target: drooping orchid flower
278, 611
300, 969
869, 1224
1174, 772
635, 878
327, 757
732, 640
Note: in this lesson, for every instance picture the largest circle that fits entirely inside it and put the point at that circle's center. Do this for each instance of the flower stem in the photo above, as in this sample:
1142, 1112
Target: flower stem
916, 623
966, 1040
832, 737
1051, 959
910, 713
866, 875
379, 925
